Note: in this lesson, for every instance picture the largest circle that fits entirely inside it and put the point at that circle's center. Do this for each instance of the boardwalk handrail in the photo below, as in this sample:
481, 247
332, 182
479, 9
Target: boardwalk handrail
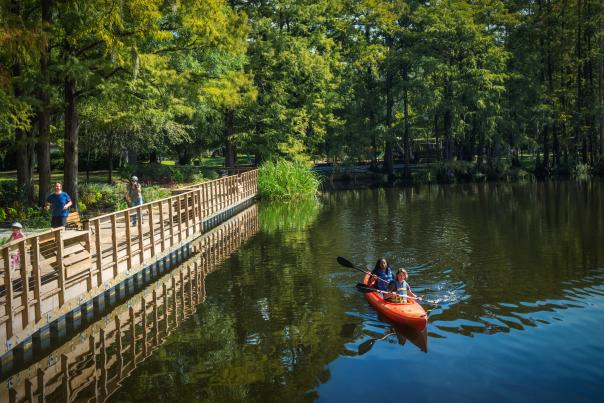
109, 350
45, 273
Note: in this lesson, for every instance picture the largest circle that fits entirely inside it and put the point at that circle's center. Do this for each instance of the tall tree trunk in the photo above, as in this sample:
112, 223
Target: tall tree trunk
43, 140
448, 146
601, 88
110, 156
556, 145
153, 158
22, 146
229, 130
23, 150
389, 150
437, 138
406, 145
579, 102
72, 127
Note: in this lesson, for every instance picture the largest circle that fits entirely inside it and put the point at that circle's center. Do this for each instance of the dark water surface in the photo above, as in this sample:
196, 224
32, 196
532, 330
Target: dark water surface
519, 286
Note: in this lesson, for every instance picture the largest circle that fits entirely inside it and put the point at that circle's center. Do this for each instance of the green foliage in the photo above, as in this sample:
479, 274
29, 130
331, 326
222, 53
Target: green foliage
104, 197
286, 180
160, 173
29, 217
581, 171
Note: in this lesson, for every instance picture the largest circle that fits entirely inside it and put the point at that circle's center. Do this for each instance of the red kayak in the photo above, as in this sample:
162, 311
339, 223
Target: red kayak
408, 313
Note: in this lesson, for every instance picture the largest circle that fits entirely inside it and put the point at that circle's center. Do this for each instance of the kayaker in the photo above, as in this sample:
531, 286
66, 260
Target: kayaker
382, 275
400, 286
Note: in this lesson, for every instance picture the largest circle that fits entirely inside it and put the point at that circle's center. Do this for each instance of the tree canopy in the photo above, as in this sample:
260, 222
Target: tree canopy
309, 80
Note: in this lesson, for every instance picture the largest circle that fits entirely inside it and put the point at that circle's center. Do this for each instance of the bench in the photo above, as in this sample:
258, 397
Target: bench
74, 221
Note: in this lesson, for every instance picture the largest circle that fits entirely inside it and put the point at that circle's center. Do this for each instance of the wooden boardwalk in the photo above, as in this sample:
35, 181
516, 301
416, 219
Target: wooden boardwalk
91, 366
47, 275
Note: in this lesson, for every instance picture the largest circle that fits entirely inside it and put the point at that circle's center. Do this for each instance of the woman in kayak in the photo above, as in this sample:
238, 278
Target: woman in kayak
400, 286
382, 275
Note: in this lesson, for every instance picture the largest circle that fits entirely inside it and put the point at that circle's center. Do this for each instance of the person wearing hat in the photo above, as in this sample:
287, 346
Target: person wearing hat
15, 257
134, 196
59, 202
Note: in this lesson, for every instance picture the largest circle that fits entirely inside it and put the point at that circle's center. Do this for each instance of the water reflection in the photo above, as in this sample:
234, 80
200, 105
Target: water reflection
288, 216
519, 278
94, 364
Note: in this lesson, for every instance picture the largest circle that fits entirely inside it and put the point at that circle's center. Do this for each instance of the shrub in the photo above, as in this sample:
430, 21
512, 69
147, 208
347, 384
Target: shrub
581, 171
104, 197
518, 174
286, 180
162, 173
96, 196
497, 170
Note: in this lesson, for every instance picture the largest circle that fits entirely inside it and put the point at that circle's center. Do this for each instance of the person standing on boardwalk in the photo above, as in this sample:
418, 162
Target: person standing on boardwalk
60, 203
15, 257
134, 196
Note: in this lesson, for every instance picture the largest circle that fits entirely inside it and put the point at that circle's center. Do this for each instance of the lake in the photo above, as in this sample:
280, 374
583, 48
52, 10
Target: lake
516, 271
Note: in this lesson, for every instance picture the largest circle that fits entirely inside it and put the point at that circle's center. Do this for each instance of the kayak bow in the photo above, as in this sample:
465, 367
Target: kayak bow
405, 313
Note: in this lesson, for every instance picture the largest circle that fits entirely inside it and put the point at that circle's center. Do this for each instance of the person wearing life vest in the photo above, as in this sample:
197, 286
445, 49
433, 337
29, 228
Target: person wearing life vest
382, 275
400, 287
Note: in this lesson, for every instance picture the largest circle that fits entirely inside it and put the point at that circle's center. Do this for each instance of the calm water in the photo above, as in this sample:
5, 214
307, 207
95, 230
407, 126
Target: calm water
519, 285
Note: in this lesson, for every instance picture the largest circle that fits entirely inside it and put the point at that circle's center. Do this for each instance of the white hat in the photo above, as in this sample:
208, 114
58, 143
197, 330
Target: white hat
134, 178
17, 225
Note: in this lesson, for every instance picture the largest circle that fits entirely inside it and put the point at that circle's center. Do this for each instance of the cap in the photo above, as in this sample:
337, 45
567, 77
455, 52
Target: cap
17, 225
134, 178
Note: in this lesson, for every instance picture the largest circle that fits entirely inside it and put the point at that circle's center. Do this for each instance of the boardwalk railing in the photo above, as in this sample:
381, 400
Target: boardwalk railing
93, 364
46, 275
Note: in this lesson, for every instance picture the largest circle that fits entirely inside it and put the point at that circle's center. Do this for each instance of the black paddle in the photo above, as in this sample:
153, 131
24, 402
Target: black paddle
347, 263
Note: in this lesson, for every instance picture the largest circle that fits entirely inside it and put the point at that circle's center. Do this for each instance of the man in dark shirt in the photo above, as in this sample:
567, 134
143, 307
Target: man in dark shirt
60, 203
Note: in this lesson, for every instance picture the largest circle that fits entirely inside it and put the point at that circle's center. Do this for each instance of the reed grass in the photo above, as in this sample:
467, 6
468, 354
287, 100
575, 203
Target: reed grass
286, 180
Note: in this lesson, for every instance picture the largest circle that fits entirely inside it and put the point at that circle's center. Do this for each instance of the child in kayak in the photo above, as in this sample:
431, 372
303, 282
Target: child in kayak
400, 287
382, 275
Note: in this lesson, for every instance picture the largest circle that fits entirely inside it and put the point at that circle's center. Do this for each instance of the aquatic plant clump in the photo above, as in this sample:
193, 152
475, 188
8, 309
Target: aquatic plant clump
286, 180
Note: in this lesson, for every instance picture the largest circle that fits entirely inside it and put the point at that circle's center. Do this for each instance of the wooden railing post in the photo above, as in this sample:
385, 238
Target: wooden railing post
179, 213
114, 255
141, 246
187, 196
60, 267
8, 291
199, 210
151, 230
99, 251
24, 263
161, 226
171, 217
128, 240
35, 268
